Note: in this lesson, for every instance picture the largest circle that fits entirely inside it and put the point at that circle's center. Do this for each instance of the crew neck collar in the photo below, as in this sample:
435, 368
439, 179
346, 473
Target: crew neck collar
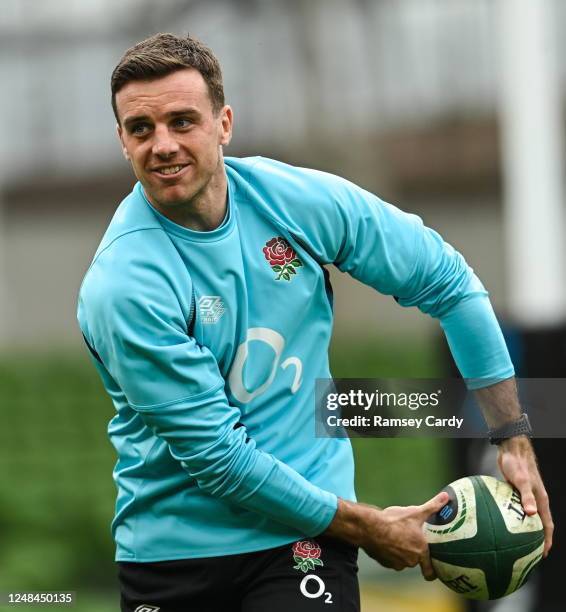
189, 234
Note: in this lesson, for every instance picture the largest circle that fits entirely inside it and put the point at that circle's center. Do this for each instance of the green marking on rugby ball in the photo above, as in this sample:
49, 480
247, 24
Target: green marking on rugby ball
460, 522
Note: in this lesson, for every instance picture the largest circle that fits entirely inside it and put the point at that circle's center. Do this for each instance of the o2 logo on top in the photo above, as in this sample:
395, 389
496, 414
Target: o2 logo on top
277, 343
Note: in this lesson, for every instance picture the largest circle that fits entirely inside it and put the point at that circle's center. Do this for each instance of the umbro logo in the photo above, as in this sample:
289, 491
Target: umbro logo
210, 308
146, 608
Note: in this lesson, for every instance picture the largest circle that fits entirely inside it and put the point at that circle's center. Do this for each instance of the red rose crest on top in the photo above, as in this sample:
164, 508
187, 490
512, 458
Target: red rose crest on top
306, 554
282, 258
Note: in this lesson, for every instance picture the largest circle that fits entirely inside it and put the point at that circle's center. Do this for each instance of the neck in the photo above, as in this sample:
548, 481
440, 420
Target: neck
206, 210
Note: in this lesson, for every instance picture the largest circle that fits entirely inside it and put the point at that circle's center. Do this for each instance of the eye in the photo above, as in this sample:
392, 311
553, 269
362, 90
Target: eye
140, 129
182, 122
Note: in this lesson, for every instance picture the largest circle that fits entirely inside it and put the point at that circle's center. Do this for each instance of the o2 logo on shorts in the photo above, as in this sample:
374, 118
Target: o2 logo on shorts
315, 591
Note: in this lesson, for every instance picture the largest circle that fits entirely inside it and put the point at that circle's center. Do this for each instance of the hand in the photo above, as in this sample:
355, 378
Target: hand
517, 462
397, 540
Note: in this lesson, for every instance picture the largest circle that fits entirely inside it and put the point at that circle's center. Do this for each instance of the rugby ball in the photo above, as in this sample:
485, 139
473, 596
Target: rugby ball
482, 544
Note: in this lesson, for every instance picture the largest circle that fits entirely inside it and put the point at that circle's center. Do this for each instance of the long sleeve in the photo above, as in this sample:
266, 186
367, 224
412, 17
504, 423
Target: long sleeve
393, 252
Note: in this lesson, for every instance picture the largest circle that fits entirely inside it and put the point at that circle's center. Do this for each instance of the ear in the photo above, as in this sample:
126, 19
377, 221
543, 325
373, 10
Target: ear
226, 122
121, 139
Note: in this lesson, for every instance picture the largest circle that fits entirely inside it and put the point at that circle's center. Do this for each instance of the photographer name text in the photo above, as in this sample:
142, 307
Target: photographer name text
379, 421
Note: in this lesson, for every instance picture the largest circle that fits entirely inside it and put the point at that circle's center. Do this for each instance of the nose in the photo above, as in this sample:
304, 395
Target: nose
164, 145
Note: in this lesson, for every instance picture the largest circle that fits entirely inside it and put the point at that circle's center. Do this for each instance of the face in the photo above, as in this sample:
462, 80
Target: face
172, 137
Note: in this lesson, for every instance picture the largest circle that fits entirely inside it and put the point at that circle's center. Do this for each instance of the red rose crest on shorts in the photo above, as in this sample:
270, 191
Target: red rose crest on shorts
306, 554
282, 258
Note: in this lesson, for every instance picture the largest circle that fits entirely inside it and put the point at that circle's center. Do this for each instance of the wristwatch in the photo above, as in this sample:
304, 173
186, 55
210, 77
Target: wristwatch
519, 427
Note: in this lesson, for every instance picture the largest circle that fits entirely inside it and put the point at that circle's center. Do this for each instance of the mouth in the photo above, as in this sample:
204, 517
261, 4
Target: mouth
170, 172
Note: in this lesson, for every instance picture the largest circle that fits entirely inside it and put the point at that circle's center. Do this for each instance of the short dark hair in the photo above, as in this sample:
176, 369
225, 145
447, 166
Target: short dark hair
162, 54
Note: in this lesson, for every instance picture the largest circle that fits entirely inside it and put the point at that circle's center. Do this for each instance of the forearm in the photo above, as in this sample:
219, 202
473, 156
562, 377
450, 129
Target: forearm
499, 403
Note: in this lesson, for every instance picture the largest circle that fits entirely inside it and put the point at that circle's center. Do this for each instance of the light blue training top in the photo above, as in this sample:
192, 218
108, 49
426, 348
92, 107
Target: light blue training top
209, 344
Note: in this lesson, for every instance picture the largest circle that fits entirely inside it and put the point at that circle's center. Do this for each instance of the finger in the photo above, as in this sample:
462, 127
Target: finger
546, 518
387, 563
427, 570
379, 558
520, 479
384, 563
528, 500
434, 505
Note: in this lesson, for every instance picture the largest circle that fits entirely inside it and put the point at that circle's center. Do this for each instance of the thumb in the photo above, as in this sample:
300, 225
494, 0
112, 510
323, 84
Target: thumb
435, 504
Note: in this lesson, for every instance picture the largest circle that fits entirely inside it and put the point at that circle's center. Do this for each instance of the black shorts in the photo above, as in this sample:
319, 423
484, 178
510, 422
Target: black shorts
305, 576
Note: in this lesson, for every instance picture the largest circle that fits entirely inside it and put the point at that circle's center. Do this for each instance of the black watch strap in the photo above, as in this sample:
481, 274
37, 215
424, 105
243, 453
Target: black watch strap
519, 427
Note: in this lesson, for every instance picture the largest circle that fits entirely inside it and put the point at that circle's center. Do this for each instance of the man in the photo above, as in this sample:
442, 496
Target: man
207, 312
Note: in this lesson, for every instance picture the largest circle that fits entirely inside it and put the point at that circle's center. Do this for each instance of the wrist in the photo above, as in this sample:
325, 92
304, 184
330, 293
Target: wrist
351, 521
516, 444
517, 428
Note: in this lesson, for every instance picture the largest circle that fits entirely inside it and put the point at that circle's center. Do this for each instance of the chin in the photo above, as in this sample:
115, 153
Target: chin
174, 196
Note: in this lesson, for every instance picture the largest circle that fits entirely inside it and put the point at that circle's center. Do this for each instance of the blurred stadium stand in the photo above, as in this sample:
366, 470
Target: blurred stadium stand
396, 95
